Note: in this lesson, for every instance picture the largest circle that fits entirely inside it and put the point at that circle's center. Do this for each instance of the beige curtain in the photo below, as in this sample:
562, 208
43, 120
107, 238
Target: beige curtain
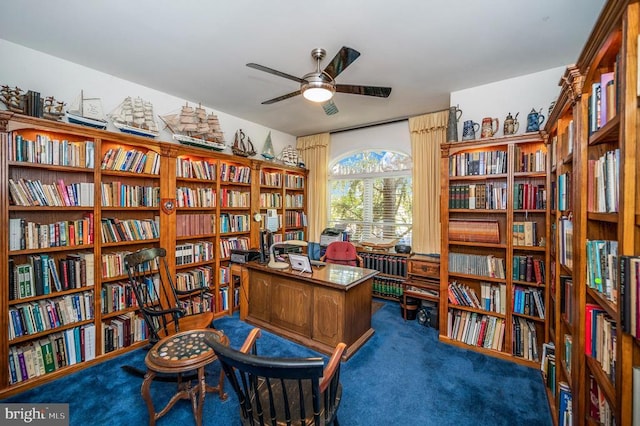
427, 131
314, 150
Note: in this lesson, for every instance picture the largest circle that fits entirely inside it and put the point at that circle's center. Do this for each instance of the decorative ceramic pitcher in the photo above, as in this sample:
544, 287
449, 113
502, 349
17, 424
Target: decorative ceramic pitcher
452, 126
534, 120
469, 130
511, 125
489, 127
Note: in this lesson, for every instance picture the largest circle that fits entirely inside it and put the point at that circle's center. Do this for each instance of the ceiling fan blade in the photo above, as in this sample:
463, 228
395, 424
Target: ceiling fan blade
281, 98
341, 61
275, 72
381, 92
329, 107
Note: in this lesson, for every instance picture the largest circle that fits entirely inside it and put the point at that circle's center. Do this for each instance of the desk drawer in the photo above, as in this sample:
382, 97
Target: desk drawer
423, 268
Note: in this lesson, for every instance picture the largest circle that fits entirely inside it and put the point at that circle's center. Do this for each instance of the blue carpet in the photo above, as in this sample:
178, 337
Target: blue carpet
402, 375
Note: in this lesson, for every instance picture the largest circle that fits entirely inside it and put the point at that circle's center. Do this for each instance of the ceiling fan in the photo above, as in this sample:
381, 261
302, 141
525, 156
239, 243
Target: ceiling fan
320, 86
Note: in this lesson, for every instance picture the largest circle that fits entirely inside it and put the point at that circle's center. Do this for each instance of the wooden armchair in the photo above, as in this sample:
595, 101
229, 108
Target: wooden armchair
291, 391
342, 252
159, 300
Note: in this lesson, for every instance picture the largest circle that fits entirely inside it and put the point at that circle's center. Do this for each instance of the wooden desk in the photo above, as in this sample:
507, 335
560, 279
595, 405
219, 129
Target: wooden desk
318, 310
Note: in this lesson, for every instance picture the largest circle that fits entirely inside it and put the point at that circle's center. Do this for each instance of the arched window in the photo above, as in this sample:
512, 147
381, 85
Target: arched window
370, 195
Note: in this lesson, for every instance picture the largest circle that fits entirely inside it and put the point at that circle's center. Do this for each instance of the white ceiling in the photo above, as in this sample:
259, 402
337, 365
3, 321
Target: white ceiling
197, 49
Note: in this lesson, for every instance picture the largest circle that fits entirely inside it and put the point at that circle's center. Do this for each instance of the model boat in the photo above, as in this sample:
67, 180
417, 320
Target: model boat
242, 147
193, 126
135, 116
267, 150
87, 112
12, 98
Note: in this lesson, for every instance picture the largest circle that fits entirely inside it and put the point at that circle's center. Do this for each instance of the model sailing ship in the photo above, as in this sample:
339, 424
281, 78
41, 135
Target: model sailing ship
193, 126
87, 112
135, 116
241, 147
12, 98
267, 149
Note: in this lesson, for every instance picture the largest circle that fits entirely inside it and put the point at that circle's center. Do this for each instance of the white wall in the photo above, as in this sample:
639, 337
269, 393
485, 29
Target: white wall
392, 136
52, 76
516, 96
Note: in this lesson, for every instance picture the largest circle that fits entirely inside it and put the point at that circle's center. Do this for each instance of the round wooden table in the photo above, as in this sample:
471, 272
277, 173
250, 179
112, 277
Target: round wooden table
181, 353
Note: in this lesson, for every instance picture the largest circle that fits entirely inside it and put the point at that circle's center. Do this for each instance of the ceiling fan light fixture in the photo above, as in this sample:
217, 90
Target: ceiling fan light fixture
316, 88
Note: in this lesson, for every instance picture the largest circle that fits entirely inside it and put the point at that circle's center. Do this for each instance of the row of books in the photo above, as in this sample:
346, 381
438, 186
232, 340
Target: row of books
291, 235
270, 200
115, 230
27, 192
565, 408
122, 331
387, 264
565, 191
603, 101
199, 251
474, 230
525, 339
525, 233
118, 194
528, 269
55, 351
195, 224
234, 222
529, 161
270, 178
294, 201
232, 243
225, 274
629, 294
565, 253
295, 219
599, 408
601, 335
492, 296
529, 196
49, 314
225, 299
294, 182
195, 197
116, 297
197, 304
44, 150
491, 195
131, 160
548, 366
235, 174
567, 302
602, 267
194, 279
387, 287
478, 163
484, 331
232, 198
475, 264
195, 169
528, 301
603, 183
27, 235
45, 274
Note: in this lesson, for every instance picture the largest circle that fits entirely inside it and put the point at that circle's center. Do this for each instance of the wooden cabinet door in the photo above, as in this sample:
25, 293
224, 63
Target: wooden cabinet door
291, 305
328, 316
260, 300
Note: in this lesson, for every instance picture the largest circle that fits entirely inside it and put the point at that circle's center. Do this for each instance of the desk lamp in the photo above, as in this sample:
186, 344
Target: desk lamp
273, 263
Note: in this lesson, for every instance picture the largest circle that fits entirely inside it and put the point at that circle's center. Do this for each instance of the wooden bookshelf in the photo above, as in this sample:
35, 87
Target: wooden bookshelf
604, 149
498, 186
176, 202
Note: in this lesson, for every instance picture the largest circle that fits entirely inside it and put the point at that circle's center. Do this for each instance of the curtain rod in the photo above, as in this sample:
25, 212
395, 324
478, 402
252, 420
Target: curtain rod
381, 123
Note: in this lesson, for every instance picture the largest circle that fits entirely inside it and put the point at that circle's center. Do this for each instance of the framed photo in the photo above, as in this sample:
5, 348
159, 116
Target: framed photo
300, 262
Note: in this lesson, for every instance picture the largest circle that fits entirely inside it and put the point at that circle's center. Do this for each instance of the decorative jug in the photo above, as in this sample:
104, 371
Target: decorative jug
534, 120
511, 125
469, 130
488, 127
452, 126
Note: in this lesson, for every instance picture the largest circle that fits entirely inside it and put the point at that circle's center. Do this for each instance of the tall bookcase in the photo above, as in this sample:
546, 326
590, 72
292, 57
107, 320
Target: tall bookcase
493, 266
596, 118
123, 193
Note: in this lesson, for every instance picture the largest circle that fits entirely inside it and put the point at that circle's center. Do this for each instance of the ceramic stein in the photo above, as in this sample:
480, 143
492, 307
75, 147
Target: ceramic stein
469, 130
511, 125
534, 120
489, 127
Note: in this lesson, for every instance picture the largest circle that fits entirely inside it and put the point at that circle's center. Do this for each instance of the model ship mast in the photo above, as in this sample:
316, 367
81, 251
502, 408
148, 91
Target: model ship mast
193, 126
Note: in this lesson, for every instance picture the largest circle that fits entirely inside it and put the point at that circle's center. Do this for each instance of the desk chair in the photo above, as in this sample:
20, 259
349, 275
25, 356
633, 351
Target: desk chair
343, 253
281, 390
158, 299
